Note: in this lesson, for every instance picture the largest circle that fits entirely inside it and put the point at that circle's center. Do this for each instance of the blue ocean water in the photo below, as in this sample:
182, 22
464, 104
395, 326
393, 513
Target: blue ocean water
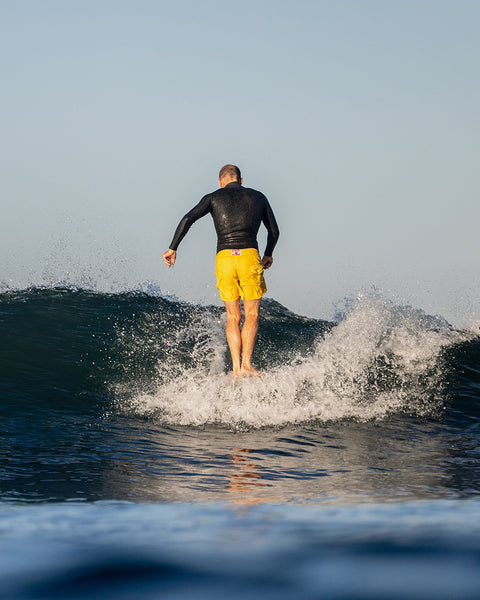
133, 466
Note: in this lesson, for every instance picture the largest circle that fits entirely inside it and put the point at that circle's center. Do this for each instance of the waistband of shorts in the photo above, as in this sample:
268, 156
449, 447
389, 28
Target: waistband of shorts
243, 252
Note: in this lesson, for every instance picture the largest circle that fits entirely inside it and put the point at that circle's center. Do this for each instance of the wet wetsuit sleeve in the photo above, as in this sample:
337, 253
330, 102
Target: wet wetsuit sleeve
273, 232
197, 212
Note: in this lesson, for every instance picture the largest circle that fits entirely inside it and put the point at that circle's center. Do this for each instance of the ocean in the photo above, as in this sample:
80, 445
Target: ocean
134, 467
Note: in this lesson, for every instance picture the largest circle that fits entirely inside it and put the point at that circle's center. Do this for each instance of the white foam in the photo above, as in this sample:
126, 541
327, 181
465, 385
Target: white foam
344, 377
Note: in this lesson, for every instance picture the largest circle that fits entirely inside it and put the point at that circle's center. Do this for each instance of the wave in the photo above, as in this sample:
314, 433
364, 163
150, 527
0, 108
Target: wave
159, 358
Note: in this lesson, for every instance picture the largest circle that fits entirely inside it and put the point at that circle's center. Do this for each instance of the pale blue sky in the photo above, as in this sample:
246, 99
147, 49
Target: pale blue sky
358, 119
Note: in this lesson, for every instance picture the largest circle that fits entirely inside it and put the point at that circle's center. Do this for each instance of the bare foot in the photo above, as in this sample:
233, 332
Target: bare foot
249, 371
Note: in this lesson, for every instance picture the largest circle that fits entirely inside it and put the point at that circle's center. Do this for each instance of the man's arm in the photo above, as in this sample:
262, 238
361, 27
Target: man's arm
197, 212
273, 234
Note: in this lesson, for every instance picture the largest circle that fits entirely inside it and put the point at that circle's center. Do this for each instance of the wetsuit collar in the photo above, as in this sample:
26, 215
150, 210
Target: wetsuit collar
233, 184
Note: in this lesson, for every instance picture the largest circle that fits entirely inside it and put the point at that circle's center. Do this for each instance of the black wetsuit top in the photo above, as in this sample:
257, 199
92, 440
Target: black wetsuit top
237, 214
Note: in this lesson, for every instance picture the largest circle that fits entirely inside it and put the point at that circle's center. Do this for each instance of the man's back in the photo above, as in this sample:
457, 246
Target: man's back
237, 214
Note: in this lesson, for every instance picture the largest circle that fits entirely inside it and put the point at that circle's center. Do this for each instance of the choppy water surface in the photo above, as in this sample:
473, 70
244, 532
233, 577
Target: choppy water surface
127, 450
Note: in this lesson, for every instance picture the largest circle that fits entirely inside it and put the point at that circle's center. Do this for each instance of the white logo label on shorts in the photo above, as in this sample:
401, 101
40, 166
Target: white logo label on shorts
236, 252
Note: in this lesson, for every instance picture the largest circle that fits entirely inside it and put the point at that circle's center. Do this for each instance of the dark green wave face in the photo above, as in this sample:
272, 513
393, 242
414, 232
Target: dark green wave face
71, 348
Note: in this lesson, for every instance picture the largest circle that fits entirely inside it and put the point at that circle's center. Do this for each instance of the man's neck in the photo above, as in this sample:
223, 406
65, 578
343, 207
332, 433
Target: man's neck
225, 182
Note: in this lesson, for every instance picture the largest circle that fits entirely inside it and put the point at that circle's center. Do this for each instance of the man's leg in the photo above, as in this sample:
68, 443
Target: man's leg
249, 334
234, 338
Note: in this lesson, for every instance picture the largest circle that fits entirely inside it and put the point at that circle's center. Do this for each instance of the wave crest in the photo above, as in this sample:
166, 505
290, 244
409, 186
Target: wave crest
378, 360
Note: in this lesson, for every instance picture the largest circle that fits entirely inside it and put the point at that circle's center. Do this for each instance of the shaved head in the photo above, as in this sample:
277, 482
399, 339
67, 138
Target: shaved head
230, 172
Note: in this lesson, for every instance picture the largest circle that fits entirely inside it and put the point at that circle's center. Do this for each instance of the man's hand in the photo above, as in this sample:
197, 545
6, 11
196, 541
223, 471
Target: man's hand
267, 262
169, 257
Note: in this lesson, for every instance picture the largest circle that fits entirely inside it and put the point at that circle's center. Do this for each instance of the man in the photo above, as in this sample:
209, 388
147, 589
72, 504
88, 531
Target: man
237, 214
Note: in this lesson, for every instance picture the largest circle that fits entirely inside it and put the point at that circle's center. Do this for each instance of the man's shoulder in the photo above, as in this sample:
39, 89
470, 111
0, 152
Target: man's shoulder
208, 197
214, 193
256, 193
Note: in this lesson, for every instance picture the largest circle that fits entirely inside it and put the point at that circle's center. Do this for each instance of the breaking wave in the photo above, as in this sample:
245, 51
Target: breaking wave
167, 360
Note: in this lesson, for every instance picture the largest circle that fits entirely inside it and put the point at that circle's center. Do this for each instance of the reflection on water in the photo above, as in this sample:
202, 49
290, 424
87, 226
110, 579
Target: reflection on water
338, 464
341, 463
246, 478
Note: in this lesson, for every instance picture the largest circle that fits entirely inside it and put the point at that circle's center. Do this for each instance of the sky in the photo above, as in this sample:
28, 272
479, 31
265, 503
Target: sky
358, 119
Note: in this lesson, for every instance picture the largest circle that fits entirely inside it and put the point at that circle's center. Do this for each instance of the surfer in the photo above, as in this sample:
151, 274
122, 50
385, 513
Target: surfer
237, 215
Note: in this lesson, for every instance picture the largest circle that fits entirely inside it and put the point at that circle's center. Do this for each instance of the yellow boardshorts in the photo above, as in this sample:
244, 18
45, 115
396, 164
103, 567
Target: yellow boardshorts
239, 275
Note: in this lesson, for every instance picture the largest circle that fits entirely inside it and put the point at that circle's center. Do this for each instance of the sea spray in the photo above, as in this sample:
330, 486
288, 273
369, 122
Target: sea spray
380, 359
